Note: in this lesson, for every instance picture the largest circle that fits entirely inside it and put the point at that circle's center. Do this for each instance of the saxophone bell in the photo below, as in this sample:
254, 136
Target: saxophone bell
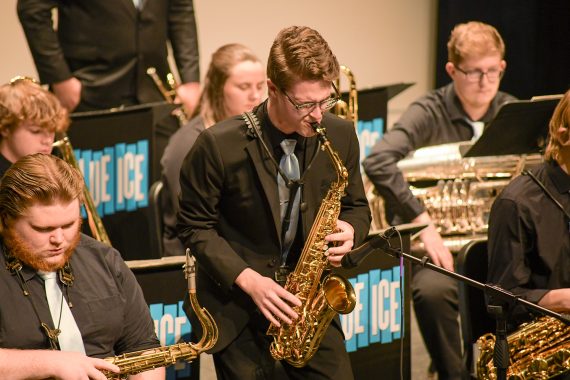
139, 361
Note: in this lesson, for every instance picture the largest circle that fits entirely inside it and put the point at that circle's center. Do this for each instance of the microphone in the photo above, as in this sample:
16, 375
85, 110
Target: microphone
379, 242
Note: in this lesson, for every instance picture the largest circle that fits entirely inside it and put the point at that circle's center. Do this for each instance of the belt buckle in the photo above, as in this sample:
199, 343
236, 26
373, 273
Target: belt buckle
281, 275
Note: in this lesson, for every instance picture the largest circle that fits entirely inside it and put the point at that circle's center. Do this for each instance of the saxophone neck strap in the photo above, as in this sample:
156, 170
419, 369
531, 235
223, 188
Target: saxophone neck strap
547, 192
65, 274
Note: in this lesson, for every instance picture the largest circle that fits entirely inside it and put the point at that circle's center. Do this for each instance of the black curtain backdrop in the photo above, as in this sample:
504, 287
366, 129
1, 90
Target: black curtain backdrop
536, 35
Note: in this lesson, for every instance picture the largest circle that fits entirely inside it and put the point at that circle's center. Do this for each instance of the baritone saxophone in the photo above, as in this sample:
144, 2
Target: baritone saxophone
321, 299
145, 360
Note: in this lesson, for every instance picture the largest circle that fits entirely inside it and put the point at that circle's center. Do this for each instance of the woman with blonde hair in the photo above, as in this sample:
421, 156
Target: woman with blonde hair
234, 84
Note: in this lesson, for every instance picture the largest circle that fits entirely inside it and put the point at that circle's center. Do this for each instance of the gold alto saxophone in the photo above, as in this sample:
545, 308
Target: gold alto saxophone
93, 219
537, 350
321, 300
169, 95
145, 360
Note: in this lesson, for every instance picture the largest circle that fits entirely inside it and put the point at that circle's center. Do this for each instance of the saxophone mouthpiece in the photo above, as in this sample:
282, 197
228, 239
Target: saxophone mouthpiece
315, 125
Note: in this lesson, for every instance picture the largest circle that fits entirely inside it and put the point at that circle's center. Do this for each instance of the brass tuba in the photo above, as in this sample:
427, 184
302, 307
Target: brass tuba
169, 95
139, 361
537, 350
321, 299
94, 220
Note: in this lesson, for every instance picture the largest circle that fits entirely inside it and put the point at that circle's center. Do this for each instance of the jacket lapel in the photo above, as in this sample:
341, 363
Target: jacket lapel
267, 175
129, 6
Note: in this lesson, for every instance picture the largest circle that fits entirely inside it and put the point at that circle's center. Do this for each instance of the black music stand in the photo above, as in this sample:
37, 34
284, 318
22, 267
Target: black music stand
373, 101
110, 139
519, 127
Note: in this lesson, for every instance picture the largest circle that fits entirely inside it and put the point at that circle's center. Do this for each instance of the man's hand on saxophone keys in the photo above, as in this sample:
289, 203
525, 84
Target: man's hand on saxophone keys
270, 297
344, 238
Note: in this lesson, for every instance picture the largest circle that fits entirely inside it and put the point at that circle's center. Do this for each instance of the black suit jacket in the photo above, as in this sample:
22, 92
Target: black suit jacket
109, 44
229, 210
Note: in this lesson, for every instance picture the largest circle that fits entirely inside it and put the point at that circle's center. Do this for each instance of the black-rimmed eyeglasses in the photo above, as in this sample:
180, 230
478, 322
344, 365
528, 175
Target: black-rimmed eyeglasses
308, 107
477, 75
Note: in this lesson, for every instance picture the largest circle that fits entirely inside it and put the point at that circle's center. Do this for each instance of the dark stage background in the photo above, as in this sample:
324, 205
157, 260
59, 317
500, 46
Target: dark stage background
536, 35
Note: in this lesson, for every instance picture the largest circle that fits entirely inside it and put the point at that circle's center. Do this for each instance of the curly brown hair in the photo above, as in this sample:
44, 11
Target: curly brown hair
300, 53
23, 100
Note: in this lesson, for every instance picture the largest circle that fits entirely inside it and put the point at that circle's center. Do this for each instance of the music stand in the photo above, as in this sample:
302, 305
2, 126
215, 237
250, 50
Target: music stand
519, 127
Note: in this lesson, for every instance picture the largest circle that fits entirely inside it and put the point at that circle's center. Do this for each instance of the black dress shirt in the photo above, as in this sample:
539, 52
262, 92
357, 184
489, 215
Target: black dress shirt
529, 236
437, 118
108, 305
4, 165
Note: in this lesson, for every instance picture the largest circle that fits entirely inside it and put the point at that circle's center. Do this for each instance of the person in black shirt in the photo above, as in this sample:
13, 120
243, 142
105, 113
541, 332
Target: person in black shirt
100, 310
30, 116
453, 113
529, 228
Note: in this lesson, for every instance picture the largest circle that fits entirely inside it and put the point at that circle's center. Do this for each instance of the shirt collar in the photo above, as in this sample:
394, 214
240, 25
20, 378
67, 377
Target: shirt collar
276, 136
456, 111
559, 178
453, 104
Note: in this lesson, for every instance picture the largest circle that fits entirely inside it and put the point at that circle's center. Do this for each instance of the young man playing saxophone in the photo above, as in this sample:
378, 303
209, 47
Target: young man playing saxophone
232, 214
61, 289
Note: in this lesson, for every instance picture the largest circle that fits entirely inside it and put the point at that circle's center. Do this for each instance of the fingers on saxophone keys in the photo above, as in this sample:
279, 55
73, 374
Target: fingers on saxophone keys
277, 315
325, 249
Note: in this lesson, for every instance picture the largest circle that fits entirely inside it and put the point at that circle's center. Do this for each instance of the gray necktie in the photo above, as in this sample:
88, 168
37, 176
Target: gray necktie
290, 166
70, 336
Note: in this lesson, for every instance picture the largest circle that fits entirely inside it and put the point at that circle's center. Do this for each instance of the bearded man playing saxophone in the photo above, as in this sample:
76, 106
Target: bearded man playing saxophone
61, 289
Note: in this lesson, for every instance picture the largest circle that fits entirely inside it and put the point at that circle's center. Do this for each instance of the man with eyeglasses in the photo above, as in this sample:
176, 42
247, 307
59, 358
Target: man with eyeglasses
453, 113
247, 228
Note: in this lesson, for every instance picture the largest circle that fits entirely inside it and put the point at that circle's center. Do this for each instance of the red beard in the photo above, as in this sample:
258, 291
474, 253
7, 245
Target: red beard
21, 250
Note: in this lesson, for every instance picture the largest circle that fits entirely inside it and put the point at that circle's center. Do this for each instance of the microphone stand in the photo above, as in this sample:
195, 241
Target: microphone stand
501, 301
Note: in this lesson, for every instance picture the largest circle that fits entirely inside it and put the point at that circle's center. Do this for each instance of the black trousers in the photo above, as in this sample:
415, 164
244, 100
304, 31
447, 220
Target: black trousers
248, 358
436, 304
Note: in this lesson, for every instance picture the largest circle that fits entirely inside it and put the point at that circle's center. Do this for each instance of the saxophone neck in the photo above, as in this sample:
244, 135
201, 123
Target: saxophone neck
209, 327
340, 169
